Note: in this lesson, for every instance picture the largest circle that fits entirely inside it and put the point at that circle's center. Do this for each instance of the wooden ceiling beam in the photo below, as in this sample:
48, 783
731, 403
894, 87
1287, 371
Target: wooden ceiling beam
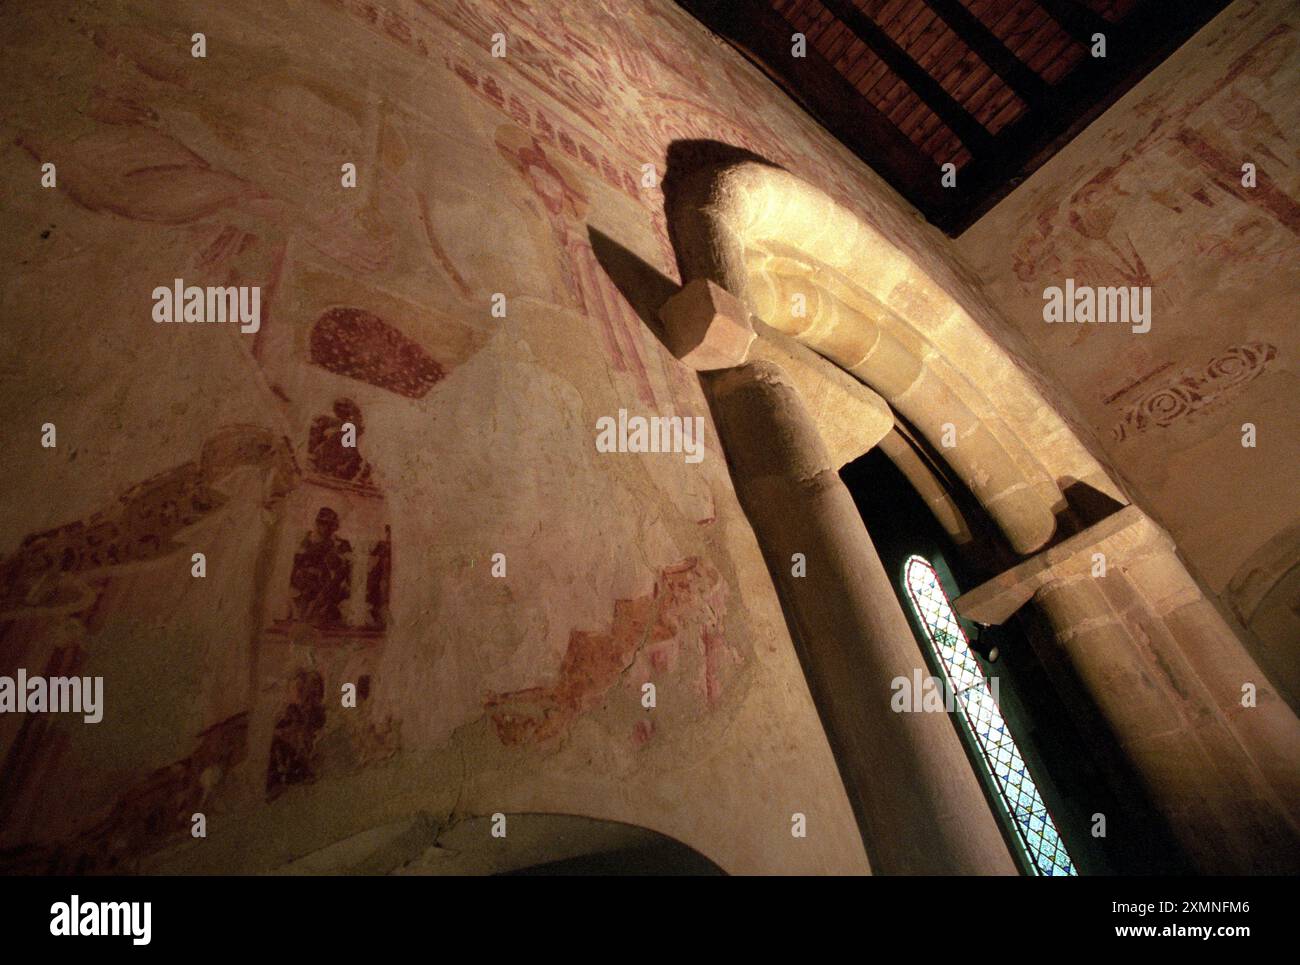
961, 122
1141, 42
1028, 85
1077, 20
1135, 46
764, 38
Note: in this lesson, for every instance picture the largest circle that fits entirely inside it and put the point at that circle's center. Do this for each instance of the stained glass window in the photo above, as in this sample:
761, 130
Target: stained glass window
1017, 793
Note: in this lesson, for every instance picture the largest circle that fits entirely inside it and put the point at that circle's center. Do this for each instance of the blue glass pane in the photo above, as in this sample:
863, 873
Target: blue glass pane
1018, 794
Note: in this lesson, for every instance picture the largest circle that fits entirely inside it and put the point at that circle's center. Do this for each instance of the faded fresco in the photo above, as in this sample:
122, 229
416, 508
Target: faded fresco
1152, 194
369, 564
426, 596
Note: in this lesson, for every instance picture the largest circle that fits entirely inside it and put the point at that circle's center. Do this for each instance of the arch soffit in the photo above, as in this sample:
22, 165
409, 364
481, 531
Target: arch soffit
810, 268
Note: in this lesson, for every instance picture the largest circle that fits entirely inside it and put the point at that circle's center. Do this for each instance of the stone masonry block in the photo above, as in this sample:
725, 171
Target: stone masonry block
707, 327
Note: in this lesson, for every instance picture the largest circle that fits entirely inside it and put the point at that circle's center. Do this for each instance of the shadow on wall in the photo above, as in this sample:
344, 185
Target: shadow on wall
643, 286
540, 844
1084, 506
1264, 594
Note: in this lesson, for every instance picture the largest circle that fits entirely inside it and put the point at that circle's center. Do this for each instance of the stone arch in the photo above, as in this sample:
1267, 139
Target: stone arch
538, 842
548, 843
767, 237
1162, 667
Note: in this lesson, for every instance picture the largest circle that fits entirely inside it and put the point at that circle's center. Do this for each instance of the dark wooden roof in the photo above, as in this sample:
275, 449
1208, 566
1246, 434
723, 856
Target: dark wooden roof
994, 87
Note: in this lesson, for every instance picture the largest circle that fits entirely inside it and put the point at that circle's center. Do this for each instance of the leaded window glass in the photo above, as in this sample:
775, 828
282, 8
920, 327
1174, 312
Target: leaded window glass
1017, 793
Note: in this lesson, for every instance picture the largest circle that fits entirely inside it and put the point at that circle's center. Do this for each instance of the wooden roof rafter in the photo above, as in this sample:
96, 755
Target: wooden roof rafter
910, 85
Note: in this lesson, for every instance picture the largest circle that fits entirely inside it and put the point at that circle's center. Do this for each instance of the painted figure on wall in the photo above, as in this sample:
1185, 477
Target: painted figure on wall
293, 746
322, 573
378, 578
334, 444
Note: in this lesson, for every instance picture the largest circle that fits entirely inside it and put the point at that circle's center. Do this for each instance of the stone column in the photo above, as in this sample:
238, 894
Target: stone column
1171, 680
918, 803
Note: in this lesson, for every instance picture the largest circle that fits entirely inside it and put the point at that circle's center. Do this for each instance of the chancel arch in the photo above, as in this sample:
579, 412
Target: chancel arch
1160, 665
505, 843
813, 270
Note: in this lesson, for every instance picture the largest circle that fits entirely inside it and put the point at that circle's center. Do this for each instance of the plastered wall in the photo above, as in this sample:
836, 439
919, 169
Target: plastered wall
374, 565
482, 683
1152, 195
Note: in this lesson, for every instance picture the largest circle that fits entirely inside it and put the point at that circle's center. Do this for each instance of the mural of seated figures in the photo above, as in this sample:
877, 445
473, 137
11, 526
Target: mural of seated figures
332, 569
333, 450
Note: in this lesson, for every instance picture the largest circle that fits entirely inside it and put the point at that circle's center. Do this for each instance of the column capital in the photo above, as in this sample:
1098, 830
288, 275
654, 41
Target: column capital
707, 327
851, 417
1125, 536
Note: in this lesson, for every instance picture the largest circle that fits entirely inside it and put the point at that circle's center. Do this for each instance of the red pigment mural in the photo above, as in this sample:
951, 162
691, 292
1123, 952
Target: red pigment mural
338, 573
322, 573
329, 453
65, 572
379, 572
137, 173
565, 203
142, 525
314, 736
293, 745
39, 741
684, 610
629, 345
154, 812
362, 346
1085, 222
1196, 391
